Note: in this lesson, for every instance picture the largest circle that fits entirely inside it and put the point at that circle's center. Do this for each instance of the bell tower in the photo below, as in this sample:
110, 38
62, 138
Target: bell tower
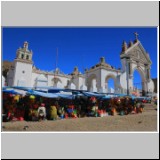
21, 70
24, 54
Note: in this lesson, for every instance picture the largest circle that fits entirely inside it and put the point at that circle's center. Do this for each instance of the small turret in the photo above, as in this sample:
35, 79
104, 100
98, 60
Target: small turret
76, 69
25, 45
130, 44
102, 60
136, 37
124, 46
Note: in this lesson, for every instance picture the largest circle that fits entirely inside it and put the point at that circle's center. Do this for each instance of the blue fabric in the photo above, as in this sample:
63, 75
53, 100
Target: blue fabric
65, 96
49, 95
42, 94
10, 92
89, 94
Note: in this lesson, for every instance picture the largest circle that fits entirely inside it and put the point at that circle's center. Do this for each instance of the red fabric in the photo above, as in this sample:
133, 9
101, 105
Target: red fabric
42, 104
35, 106
93, 99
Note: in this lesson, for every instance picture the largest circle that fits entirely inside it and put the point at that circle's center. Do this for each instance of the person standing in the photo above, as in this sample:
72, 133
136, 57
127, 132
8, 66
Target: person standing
53, 112
42, 112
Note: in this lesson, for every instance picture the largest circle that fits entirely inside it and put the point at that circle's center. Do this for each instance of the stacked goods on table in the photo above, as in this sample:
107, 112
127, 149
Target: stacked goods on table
72, 112
17, 107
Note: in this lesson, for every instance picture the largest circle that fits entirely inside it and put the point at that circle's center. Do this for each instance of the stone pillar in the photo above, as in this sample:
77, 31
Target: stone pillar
130, 68
106, 86
30, 57
148, 73
19, 55
99, 85
127, 76
144, 87
93, 87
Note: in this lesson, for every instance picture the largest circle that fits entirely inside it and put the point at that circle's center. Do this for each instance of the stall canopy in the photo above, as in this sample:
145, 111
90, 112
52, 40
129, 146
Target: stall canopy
65, 96
106, 97
11, 92
90, 94
50, 95
42, 94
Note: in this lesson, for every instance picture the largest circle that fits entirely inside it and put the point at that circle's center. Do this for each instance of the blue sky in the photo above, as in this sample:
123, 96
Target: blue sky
80, 47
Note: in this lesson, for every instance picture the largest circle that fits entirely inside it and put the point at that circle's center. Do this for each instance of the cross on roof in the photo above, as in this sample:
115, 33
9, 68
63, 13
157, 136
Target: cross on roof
136, 35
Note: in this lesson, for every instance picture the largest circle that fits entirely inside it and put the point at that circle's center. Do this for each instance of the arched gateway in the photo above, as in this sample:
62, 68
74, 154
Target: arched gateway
134, 57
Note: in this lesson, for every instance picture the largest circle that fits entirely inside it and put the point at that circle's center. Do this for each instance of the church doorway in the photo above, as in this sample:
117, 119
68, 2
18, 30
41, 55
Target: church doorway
139, 83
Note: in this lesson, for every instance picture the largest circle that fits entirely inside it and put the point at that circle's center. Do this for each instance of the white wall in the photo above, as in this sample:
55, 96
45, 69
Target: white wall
34, 76
50, 78
79, 82
3, 81
20, 67
10, 77
62, 79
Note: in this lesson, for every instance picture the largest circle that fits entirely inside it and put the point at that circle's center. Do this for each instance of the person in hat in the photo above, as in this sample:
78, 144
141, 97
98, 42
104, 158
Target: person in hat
93, 100
53, 112
42, 112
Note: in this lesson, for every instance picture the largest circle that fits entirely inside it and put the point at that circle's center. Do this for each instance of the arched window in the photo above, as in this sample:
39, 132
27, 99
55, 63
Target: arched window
27, 57
22, 56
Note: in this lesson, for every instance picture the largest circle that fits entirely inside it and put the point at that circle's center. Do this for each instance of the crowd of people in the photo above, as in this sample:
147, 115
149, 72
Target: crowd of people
36, 108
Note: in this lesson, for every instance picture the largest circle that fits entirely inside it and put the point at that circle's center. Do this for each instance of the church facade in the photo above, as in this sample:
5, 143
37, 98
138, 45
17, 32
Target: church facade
133, 57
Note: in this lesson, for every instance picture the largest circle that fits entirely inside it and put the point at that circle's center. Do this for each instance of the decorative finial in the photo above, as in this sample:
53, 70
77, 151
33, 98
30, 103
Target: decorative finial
86, 70
25, 45
124, 46
136, 35
76, 68
102, 60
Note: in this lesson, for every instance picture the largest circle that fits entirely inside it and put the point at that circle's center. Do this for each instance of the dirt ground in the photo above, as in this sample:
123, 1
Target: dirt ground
147, 121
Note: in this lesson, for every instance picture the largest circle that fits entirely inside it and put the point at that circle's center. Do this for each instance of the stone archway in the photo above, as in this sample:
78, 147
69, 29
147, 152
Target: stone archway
108, 77
92, 83
134, 56
143, 79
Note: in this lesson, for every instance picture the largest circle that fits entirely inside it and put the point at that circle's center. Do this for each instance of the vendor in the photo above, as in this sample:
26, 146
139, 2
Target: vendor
53, 112
42, 112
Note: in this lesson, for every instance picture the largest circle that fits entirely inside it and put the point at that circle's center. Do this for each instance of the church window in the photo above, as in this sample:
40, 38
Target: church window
22, 56
27, 57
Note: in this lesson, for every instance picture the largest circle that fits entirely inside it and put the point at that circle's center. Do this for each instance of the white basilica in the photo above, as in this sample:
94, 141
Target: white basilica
133, 57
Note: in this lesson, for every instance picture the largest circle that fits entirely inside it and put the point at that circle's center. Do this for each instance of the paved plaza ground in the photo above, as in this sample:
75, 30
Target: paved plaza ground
147, 121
